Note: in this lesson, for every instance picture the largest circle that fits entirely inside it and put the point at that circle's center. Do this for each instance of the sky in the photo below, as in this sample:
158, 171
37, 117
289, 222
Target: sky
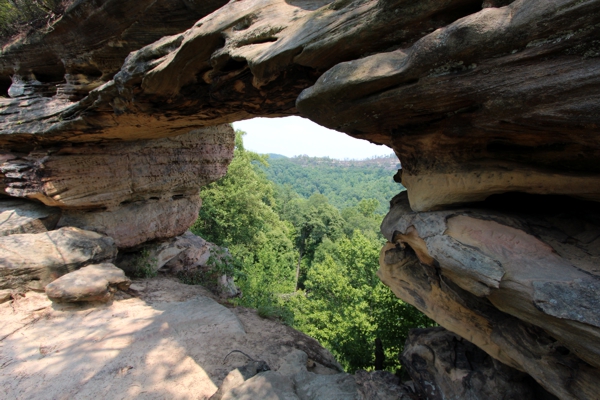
292, 136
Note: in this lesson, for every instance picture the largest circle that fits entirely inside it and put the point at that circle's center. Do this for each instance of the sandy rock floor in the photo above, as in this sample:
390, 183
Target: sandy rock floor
162, 340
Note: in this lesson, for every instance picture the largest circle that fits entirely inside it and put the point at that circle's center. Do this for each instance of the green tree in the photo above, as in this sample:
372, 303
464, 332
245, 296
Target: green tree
281, 241
346, 307
237, 212
314, 220
364, 218
344, 183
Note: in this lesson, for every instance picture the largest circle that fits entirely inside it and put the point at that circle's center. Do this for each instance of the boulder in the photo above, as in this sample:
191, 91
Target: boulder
381, 385
443, 365
292, 380
173, 255
22, 216
97, 282
33, 260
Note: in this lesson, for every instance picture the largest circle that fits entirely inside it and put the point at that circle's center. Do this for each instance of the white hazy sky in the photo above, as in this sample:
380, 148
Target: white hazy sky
292, 136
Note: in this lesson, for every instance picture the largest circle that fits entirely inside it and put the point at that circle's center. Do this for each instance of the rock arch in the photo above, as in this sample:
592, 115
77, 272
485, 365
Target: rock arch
476, 100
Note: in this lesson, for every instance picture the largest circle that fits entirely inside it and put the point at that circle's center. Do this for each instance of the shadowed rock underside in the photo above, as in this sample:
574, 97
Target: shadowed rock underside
115, 117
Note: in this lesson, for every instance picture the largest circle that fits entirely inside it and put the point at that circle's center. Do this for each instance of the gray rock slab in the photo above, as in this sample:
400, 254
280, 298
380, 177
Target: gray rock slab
22, 216
32, 261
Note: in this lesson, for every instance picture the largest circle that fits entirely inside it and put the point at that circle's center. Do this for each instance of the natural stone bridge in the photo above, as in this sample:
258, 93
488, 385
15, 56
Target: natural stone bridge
118, 115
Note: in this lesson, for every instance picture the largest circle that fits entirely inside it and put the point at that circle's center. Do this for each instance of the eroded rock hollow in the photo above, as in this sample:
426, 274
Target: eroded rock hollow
493, 109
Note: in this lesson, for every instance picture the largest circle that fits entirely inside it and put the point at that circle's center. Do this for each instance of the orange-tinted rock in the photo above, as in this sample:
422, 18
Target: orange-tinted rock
521, 286
112, 174
139, 222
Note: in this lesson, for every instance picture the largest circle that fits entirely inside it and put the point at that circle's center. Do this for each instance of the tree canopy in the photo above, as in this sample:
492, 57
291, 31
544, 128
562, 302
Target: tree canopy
304, 260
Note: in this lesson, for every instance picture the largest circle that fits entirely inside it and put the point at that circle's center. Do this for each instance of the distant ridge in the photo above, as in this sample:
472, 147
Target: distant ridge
389, 162
344, 182
274, 156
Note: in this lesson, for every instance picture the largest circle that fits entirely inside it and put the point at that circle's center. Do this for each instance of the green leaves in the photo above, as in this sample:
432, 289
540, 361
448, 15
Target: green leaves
271, 231
237, 212
346, 307
14, 13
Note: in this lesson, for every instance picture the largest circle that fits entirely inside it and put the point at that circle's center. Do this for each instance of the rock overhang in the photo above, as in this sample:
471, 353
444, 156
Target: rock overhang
476, 102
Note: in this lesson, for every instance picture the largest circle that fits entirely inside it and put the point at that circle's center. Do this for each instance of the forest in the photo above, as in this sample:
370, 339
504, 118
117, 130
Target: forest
303, 260
344, 182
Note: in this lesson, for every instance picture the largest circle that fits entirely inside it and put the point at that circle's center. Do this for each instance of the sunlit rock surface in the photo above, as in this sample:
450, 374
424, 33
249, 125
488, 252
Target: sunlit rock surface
521, 285
97, 282
478, 100
169, 340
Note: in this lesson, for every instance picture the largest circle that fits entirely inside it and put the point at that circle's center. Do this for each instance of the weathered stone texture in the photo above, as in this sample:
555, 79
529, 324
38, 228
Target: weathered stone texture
477, 99
491, 278
171, 255
139, 222
443, 365
110, 174
34, 260
97, 282
21, 216
477, 107
168, 340
87, 46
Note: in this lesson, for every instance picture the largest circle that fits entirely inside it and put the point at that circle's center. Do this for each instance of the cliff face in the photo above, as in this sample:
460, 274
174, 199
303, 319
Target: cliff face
478, 101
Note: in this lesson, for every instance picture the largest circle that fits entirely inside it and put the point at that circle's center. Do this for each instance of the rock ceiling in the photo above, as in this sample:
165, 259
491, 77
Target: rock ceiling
118, 107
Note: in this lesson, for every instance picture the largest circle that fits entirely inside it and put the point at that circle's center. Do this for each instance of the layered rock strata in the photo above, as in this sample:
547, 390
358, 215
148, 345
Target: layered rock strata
523, 287
512, 122
476, 99
132, 191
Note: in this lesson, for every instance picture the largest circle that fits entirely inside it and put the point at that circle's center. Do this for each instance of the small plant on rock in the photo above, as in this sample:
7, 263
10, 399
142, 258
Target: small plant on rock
144, 265
219, 263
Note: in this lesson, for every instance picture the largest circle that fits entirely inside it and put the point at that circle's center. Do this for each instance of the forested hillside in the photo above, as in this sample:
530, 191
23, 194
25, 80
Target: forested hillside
306, 261
344, 182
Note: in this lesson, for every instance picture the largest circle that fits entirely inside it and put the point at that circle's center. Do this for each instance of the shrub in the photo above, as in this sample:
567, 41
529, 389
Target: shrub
144, 266
22, 15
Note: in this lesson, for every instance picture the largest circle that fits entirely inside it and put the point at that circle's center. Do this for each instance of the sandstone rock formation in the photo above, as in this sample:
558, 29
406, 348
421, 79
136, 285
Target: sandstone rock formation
97, 282
132, 191
445, 366
521, 287
478, 100
18, 216
174, 255
169, 340
32, 260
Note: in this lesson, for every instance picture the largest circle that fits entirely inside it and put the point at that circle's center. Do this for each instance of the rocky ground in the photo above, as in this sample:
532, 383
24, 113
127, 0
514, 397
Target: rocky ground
115, 117
160, 339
